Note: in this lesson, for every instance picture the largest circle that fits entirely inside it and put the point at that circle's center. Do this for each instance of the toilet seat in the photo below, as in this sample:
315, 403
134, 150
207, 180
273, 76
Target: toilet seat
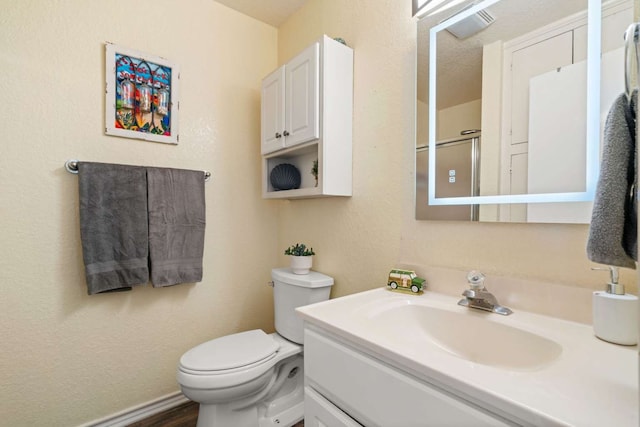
244, 368
200, 367
230, 353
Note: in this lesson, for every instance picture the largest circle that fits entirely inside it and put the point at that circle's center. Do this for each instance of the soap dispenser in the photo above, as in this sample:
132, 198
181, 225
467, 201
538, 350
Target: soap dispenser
615, 313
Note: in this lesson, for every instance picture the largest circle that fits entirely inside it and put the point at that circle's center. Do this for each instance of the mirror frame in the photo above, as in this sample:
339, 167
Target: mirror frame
594, 17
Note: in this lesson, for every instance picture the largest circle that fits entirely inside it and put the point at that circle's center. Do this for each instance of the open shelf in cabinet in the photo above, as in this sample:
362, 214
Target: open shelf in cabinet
300, 157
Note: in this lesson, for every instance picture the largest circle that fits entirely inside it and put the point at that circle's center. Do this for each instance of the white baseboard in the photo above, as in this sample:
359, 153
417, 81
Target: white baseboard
140, 412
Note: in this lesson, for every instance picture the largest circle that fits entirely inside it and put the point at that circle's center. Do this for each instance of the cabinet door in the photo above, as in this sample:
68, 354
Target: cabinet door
302, 121
519, 182
272, 115
529, 62
614, 25
379, 395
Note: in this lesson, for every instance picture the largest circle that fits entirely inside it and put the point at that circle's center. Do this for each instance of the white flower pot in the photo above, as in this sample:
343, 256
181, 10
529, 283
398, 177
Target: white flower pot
301, 264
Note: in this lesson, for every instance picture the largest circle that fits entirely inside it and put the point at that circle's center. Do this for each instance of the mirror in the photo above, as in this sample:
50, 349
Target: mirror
524, 81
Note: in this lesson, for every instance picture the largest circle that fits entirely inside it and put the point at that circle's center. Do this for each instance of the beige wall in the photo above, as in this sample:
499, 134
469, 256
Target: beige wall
360, 238
68, 358
451, 121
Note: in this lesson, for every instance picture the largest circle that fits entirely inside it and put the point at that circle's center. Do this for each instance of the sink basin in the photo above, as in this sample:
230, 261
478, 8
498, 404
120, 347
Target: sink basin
538, 370
468, 334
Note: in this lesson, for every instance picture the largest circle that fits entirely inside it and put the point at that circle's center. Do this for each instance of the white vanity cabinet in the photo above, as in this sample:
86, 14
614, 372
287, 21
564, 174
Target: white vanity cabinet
345, 386
392, 359
306, 116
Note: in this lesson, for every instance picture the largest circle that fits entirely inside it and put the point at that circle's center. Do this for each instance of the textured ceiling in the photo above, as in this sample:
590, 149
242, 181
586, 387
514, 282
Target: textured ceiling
272, 12
460, 61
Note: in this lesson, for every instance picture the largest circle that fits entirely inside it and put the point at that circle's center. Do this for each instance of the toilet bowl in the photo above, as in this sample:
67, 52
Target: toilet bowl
255, 379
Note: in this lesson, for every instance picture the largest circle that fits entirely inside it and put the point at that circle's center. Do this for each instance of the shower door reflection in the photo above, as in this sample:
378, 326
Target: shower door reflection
457, 175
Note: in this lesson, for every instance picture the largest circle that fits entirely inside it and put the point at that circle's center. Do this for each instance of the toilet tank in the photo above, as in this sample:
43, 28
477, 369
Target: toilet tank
295, 290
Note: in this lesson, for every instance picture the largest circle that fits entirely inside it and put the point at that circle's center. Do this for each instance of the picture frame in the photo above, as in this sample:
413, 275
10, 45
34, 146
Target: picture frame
141, 95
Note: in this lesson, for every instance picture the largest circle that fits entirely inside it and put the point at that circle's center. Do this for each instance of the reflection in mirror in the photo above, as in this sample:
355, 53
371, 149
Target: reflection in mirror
458, 161
517, 70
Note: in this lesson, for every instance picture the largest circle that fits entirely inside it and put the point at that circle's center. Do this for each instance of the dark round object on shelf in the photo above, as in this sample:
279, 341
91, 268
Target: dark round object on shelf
285, 177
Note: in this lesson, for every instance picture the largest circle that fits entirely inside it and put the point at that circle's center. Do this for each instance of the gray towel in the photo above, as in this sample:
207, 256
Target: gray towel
613, 230
176, 225
113, 226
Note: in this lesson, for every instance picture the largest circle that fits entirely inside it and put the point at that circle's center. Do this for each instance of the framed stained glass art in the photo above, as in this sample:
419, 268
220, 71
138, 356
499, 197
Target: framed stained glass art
141, 96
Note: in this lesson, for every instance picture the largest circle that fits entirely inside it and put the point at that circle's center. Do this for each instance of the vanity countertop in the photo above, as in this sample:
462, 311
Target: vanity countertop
588, 382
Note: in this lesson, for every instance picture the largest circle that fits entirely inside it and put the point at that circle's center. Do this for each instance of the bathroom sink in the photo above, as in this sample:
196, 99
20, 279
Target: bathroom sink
472, 335
537, 370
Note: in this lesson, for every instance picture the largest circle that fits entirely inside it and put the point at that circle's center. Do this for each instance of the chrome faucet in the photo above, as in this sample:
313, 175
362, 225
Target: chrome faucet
477, 296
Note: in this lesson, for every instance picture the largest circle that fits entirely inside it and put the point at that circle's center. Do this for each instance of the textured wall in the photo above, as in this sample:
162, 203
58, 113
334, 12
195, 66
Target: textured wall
67, 358
357, 239
360, 238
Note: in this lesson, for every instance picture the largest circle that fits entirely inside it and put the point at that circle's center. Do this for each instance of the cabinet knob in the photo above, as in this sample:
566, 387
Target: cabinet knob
278, 135
285, 133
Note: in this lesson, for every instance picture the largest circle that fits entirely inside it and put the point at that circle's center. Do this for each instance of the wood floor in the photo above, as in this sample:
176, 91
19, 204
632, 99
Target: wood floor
185, 415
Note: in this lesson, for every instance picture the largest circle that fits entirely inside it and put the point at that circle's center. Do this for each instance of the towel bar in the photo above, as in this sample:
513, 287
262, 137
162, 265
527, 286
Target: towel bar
71, 166
631, 44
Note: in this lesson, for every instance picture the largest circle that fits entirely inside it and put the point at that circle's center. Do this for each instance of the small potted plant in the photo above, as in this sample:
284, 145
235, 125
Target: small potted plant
301, 258
314, 171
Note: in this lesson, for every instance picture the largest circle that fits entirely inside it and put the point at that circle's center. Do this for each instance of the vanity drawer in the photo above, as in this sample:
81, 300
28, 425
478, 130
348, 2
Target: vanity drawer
319, 412
376, 394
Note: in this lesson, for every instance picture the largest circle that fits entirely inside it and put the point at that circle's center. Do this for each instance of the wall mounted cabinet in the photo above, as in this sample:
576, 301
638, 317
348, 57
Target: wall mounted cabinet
290, 102
307, 107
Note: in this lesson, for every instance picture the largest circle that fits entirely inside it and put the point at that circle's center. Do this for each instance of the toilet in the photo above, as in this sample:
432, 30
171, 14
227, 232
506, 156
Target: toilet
255, 379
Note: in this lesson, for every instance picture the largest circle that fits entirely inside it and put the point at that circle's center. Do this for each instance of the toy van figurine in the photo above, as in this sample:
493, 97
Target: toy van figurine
405, 280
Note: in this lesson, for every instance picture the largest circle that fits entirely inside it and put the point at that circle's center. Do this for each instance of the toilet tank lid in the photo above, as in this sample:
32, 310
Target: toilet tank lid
311, 280
230, 351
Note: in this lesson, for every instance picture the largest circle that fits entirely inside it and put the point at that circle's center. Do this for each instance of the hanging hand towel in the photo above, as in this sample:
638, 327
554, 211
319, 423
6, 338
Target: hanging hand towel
113, 226
613, 230
176, 225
